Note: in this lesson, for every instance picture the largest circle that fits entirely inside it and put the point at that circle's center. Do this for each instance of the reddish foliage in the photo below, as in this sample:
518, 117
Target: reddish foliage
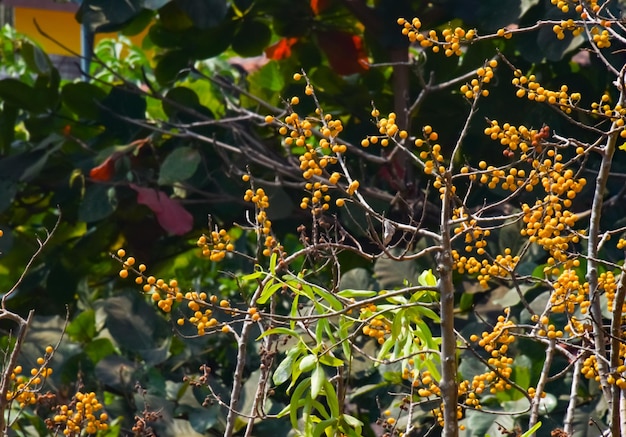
169, 213
318, 6
104, 172
346, 52
281, 50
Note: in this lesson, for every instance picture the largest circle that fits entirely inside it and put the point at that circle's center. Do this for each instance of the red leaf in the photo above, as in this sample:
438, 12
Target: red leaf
346, 53
104, 172
281, 50
169, 213
318, 6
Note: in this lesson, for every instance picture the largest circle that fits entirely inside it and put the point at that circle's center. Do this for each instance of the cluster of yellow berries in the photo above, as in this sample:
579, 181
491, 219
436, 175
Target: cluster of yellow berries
377, 327
496, 344
475, 87
601, 38
261, 202
528, 142
567, 25
529, 87
25, 390
202, 307
163, 293
387, 127
569, 293
550, 222
82, 416
453, 39
216, 245
433, 158
545, 328
608, 283
319, 199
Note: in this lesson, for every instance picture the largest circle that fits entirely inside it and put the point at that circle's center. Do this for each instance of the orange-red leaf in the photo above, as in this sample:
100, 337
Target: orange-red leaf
104, 172
318, 6
280, 50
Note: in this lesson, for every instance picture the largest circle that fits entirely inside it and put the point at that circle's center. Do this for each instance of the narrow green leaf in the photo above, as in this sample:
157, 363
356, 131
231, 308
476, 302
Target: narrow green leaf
283, 371
279, 330
324, 425
328, 297
252, 276
330, 360
331, 398
427, 279
307, 363
532, 430
317, 380
273, 260
298, 396
268, 291
352, 421
357, 293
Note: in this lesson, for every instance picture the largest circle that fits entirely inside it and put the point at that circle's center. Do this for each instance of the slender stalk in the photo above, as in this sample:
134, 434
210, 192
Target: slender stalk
448, 384
568, 423
242, 349
543, 379
616, 339
592, 265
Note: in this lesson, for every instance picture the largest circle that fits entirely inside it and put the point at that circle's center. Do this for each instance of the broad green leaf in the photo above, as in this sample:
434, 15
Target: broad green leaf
83, 327
246, 46
318, 376
83, 99
328, 297
36, 59
179, 165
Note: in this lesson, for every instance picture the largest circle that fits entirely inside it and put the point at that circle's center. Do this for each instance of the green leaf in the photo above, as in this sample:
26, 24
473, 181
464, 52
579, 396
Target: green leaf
179, 165
204, 13
307, 363
107, 16
246, 46
36, 59
331, 398
318, 376
99, 349
279, 330
357, 293
83, 98
532, 430
297, 399
330, 360
170, 66
427, 279
268, 77
83, 327
268, 291
19, 94
283, 370
99, 202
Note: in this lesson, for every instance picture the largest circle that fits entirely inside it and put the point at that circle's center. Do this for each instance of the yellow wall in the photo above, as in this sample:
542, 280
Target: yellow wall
60, 25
